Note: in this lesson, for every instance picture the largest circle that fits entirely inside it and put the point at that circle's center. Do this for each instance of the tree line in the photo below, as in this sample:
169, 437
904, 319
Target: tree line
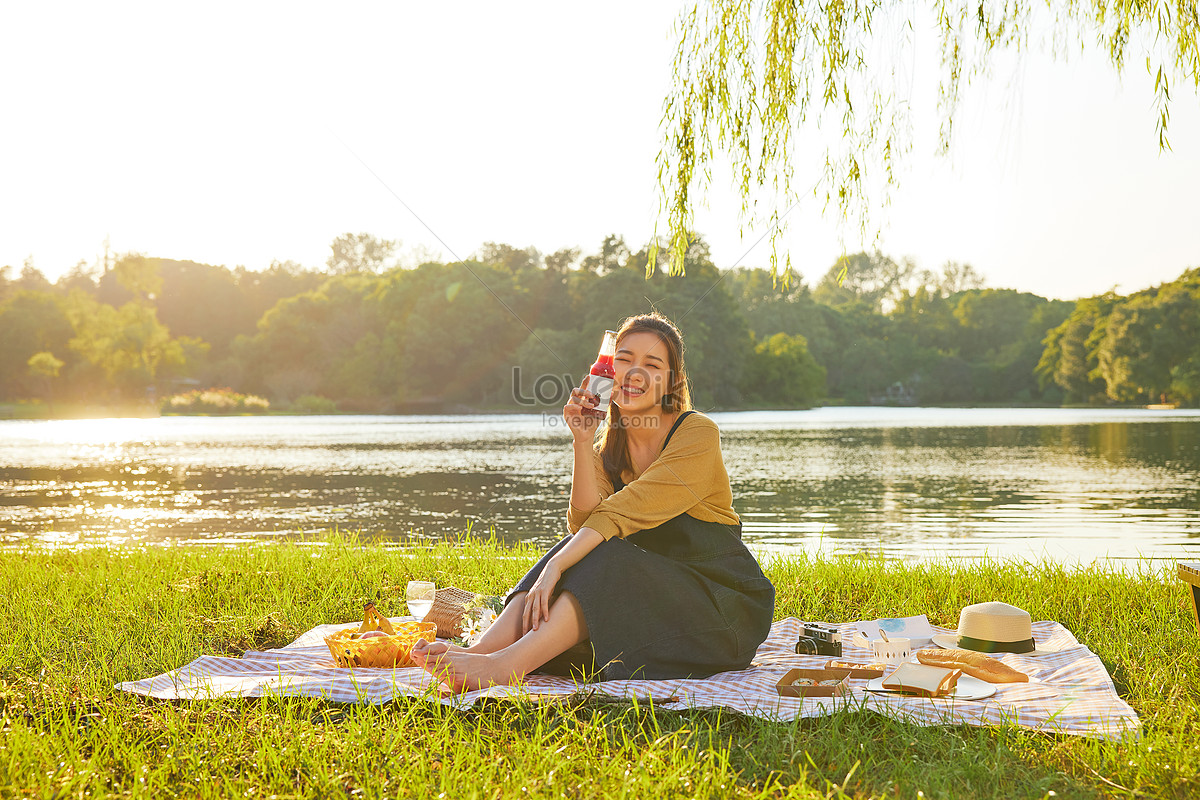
1144, 347
513, 328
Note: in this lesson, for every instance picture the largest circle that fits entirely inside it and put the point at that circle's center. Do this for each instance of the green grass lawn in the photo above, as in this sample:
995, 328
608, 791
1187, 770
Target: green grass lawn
75, 623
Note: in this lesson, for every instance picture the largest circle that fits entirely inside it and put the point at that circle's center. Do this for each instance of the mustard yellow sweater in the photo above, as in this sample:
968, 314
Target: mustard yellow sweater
688, 477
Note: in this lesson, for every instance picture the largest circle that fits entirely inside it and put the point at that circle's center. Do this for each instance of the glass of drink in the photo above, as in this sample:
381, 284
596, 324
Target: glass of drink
420, 597
602, 375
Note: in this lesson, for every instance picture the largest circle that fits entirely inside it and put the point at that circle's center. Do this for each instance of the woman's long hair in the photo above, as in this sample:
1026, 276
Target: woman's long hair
613, 437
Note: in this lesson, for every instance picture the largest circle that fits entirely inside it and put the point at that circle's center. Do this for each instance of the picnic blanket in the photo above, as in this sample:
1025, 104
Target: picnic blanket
1069, 691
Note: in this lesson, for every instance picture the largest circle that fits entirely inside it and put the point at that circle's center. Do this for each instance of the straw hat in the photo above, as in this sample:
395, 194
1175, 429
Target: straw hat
993, 628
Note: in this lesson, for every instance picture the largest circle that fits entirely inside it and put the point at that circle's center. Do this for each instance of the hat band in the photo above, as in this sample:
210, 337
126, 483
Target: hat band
989, 646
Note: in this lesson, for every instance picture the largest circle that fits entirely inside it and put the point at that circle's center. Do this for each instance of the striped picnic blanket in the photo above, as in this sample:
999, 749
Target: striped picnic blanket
1069, 691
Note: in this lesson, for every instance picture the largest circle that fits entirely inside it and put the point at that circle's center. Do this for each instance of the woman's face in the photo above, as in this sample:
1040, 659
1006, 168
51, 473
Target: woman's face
643, 370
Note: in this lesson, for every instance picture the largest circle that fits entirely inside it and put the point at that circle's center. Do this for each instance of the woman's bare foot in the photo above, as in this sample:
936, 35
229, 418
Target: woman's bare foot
432, 650
463, 670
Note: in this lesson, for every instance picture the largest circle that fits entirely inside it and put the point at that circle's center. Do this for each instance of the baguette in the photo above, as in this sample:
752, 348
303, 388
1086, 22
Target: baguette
977, 665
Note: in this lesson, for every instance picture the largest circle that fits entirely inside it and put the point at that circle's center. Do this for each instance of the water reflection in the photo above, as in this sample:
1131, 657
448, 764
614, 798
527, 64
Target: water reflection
1064, 484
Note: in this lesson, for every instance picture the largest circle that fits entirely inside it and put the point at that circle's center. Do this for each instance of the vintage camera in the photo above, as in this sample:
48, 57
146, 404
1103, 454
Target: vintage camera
819, 639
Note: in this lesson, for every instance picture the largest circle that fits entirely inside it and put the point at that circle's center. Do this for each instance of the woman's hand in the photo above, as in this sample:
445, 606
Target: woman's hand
583, 426
537, 599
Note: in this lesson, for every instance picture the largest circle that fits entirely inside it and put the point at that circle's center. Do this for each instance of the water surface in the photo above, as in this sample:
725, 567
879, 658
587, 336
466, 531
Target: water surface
1063, 484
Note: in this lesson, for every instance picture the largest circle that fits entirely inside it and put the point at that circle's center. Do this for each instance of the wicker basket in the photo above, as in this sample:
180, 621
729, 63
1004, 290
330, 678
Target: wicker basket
378, 651
450, 607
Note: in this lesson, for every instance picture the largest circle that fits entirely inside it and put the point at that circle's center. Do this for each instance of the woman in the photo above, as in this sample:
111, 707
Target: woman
653, 581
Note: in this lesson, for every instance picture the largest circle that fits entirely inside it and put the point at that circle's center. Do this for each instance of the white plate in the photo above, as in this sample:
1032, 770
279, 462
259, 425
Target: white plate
968, 688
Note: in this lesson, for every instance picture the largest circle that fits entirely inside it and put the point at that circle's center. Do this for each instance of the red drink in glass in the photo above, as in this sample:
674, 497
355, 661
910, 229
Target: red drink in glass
602, 375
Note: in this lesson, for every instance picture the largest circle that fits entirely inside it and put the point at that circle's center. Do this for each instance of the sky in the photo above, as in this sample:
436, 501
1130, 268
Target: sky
243, 133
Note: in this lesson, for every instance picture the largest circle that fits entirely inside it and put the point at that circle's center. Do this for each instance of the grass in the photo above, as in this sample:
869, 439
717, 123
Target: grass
75, 623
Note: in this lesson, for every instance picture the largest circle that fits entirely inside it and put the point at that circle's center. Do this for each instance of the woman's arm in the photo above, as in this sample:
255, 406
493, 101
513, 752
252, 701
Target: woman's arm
585, 489
686, 474
588, 487
582, 543
537, 600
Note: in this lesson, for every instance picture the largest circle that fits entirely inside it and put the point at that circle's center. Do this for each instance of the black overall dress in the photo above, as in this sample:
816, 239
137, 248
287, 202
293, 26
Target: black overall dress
681, 599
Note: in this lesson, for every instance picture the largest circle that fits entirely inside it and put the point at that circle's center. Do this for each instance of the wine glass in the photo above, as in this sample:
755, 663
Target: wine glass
420, 597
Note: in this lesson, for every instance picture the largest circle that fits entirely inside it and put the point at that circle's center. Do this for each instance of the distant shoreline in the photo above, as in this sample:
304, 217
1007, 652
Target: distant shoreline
22, 411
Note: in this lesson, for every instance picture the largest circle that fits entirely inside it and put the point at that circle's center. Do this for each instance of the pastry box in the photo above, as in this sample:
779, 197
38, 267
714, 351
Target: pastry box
801, 682
857, 670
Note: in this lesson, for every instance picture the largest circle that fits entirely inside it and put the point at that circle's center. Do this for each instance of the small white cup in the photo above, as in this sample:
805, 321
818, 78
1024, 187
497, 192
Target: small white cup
893, 651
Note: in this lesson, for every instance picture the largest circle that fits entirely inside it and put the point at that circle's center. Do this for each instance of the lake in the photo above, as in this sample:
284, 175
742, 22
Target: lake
1069, 485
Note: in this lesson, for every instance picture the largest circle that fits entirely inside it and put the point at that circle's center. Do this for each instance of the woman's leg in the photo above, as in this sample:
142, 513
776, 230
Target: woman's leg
506, 629
464, 670
503, 631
